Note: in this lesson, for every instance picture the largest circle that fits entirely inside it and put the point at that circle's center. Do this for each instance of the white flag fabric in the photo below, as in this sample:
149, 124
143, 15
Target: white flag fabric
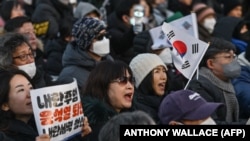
187, 23
159, 38
187, 50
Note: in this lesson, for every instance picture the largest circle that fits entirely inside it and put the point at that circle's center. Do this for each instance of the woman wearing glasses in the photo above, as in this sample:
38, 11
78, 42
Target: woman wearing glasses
109, 91
150, 81
16, 51
88, 47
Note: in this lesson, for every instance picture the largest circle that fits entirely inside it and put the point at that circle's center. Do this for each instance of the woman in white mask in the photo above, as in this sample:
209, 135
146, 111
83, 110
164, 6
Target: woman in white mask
16, 51
89, 47
206, 18
100, 45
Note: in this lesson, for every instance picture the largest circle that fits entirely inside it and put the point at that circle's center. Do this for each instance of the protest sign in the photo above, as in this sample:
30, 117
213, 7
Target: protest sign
58, 111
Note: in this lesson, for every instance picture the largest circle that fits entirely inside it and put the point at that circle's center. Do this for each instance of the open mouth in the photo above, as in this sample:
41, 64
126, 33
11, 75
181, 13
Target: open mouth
162, 85
128, 96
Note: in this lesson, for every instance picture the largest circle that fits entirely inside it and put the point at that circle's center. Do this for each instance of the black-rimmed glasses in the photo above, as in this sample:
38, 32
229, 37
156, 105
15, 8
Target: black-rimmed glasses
102, 35
24, 57
234, 56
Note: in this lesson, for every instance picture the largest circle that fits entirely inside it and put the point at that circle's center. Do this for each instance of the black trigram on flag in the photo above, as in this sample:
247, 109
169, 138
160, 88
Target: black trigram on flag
186, 25
185, 65
162, 35
195, 48
170, 35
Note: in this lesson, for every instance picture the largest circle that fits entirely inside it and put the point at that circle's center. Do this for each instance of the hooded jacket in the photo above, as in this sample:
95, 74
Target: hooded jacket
77, 64
51, 11
241, 85
84, 8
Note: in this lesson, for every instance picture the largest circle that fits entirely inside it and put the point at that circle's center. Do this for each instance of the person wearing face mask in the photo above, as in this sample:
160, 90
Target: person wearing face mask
90, 45
206, 19
130, 18
187, 107
16, 51
217, 69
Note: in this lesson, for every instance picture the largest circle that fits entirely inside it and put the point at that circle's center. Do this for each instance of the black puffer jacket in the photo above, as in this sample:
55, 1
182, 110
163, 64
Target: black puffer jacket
20, 131
98, 114
121, 41
54, 52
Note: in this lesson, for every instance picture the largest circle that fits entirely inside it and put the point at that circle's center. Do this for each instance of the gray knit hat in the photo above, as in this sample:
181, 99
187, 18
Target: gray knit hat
85, 30
142, 64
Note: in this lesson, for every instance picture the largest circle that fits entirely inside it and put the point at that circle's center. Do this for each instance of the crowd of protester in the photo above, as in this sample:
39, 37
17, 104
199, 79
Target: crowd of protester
106, 46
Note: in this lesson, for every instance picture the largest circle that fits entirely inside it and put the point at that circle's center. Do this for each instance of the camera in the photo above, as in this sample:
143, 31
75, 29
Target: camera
137, 20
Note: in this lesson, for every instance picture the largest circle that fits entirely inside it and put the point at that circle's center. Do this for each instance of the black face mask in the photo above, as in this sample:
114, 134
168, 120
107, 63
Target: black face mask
245, 36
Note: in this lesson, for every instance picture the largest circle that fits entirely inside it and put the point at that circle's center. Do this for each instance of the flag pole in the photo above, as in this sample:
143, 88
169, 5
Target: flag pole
196, 35
190, 78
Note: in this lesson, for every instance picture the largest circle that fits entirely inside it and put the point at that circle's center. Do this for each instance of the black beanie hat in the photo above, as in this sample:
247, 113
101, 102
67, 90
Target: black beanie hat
230, 5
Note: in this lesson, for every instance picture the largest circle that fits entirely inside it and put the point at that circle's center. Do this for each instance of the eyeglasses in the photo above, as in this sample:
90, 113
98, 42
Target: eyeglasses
101, 36
227, 56
24, 57
124, 80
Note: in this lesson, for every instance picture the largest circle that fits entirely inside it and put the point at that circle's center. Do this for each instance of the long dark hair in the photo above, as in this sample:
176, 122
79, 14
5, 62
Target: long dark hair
100, 78
6, 76
146, 86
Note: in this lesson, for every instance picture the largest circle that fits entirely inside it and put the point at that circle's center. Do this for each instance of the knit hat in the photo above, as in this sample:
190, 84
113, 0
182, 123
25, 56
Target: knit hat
84, 8
85, 30
230, 5
185, 105
142, 64
202, 11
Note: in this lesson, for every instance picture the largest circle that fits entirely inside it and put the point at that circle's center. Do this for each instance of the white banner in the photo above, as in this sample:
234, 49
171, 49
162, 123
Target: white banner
58, 111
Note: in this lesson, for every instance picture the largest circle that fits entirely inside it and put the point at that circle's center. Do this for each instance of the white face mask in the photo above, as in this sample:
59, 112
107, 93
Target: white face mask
166, 56
30, 69
29, 2
101, 48
209, 24
208, 121
72, 1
